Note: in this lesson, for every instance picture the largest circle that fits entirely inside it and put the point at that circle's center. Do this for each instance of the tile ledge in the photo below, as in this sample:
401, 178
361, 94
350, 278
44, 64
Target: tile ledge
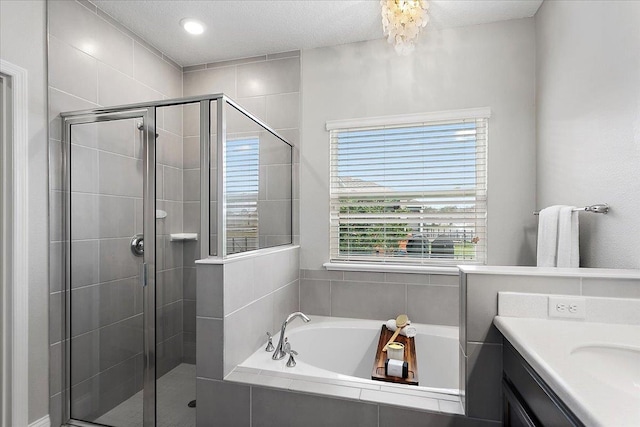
390, 268
601, 273
343, 391
245, 255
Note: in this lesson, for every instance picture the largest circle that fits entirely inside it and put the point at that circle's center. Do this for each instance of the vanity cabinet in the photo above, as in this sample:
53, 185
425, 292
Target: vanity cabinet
527, 400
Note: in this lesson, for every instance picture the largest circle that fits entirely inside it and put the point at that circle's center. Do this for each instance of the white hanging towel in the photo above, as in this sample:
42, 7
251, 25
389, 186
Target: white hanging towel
568, 238
548, 236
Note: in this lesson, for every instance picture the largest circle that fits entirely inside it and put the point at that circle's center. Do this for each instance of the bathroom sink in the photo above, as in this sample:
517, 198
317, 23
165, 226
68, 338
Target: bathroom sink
594, 368
617, 366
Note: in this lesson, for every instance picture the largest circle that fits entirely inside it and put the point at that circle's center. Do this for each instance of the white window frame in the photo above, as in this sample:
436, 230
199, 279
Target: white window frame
405, 120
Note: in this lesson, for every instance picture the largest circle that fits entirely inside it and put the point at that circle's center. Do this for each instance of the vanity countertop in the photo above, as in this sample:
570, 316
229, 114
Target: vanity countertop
593, 367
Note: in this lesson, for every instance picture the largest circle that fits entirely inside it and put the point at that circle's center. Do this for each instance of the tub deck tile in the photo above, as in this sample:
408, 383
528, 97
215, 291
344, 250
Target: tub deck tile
325, 389
408, 391
245, 369
350, 384
261, 380
451, 407
322, 380
396, 399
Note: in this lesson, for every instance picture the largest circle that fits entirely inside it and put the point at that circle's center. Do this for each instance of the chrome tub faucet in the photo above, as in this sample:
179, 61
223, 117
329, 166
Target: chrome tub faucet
280, 353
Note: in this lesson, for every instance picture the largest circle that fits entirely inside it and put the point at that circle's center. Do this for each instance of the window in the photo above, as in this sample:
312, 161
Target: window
242, 185
410, 189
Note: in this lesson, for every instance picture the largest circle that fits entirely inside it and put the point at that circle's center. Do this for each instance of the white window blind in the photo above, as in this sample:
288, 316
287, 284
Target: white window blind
410, 193
242, 186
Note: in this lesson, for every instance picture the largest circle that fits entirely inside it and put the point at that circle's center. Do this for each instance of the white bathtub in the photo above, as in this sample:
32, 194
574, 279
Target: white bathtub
336, 357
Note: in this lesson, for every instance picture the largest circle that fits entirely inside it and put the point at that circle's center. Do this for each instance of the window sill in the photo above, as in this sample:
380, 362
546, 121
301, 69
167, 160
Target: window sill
391, 268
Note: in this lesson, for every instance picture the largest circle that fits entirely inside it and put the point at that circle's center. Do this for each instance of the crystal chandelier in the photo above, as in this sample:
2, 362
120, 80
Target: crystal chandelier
402, 21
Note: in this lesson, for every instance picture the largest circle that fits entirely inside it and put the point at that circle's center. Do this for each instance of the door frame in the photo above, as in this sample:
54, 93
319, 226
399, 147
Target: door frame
14, 404
147, 273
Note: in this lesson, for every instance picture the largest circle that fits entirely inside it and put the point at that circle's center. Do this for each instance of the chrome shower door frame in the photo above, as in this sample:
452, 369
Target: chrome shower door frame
147, 274
147, 112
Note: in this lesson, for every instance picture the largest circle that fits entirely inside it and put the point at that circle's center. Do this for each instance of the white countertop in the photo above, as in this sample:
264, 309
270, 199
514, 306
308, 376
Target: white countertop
567, 354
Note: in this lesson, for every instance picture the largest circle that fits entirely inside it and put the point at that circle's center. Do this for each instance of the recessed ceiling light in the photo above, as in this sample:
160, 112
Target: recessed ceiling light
192, 26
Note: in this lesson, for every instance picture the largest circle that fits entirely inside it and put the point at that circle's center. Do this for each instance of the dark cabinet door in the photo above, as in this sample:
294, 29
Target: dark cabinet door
515, 414
528, 399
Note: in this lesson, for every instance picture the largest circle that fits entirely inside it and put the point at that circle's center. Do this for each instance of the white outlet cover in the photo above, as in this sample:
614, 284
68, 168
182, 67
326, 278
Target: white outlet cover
567, 307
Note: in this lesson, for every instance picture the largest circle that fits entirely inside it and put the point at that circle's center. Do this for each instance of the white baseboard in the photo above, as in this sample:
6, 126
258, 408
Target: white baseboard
42, 422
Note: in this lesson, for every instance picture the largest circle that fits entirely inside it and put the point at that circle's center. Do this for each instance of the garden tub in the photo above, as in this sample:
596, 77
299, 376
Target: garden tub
335, 358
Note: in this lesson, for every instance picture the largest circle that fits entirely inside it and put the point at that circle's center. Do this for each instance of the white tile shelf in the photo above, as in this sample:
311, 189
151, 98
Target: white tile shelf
386, 394
215, 260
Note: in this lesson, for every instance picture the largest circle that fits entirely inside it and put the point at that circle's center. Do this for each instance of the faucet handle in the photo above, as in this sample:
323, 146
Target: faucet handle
287, 346
270, 346
291, 362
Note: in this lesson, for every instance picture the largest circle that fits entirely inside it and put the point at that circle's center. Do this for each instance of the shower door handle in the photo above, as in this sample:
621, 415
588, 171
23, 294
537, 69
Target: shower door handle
143, 274
137, 244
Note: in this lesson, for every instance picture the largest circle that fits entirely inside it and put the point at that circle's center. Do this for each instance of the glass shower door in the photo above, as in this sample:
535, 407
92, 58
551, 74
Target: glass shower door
111, 269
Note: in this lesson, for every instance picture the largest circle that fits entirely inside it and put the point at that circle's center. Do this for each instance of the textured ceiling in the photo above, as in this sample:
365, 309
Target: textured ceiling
244, 28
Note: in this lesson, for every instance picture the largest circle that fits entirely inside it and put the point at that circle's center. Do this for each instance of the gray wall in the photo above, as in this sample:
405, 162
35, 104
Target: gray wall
587, 65
98, 62
425, 298
481, 342
23, 43
488, 65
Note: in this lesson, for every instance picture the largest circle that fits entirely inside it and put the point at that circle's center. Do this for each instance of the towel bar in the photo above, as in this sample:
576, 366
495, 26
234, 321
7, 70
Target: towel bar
602, 208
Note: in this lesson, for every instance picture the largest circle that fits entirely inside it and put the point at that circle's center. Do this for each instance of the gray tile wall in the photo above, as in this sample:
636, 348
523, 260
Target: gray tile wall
268, 86
238, 302
481, 342
97, 62
191, 222
236, 405
170, 300
425, 298
275, 195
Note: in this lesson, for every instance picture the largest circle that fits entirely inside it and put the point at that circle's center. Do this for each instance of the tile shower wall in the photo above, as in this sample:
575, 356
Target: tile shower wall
481, 342
191, 223
170, 302
268, 86
425, 298
97, 62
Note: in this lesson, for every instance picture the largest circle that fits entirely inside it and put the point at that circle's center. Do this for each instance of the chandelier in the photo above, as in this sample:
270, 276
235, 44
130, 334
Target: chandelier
402, 21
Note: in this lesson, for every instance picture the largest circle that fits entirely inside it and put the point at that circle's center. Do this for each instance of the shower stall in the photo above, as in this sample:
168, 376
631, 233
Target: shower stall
149, 189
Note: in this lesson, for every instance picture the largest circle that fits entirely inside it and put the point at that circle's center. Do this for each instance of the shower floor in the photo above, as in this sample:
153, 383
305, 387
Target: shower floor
175, 390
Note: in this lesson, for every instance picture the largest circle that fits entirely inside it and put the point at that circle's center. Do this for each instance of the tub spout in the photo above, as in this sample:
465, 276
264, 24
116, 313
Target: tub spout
280, 353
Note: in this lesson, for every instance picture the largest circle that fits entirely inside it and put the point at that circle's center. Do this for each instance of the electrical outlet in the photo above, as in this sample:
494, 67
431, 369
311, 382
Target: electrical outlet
566, 306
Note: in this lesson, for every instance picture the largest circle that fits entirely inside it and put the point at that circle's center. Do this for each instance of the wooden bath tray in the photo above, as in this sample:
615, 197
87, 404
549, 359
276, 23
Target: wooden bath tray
409, 356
